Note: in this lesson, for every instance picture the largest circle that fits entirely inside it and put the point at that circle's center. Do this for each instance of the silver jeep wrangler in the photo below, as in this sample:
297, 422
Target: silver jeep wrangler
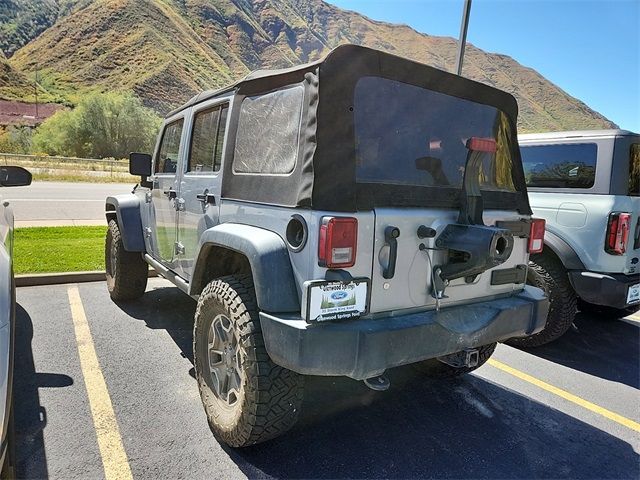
586, 185
337, 218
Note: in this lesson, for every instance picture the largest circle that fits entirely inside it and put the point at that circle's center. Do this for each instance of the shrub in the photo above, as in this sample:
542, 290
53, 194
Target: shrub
16, 139
102, 125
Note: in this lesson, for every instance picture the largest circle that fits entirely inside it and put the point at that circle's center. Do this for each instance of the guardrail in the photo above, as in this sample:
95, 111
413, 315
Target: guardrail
55, 166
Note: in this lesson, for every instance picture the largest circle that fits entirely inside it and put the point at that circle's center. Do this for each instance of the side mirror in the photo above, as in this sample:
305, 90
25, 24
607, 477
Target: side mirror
140, 164
14, 177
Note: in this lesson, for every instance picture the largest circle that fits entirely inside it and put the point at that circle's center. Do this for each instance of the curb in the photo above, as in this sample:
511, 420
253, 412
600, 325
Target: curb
31, 280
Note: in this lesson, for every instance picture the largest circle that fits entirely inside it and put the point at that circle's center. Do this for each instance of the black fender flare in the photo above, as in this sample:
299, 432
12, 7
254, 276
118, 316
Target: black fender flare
268, 258
563, 251
126, 209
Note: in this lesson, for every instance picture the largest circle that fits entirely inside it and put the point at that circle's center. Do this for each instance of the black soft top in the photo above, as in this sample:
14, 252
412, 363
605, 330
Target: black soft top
327, 139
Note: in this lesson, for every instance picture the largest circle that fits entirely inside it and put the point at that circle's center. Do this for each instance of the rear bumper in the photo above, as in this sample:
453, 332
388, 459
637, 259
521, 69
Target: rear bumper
607, 289
368, 346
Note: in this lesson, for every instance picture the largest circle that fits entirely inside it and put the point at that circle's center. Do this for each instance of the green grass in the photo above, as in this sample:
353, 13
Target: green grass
58, 249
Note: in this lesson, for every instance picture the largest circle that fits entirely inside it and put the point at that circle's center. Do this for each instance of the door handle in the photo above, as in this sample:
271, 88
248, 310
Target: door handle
390, 236
206, 198
171, 193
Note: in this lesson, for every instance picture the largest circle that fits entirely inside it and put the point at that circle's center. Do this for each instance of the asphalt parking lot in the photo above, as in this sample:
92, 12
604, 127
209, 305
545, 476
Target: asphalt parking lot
568, 410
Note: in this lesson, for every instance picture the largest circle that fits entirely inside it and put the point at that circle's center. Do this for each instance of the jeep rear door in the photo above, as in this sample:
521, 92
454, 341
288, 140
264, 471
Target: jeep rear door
200, 185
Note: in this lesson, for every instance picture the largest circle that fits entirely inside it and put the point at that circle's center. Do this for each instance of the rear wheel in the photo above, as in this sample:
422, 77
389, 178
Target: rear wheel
127, 272
606, 313
248, 399
436, 369
551, 276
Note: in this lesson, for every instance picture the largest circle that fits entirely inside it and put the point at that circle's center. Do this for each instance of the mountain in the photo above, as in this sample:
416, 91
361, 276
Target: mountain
168, 50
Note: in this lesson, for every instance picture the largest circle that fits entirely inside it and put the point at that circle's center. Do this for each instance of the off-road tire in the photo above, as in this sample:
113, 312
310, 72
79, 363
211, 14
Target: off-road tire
553, 279
270, 396
127, 272
606, 313
436, 369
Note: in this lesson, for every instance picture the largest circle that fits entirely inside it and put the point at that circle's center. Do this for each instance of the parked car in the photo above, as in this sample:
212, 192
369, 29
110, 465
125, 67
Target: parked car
338, 218
9, 177
586, 185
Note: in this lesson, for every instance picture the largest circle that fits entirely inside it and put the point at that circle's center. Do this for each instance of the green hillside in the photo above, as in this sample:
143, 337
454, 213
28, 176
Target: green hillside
168, 50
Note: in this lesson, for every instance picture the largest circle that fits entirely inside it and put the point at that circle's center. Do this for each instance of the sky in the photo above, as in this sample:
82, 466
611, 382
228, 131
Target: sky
589, 48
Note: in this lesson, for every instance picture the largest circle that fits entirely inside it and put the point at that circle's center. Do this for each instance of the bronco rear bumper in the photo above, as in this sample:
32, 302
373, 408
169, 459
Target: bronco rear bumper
609, 290
368, 346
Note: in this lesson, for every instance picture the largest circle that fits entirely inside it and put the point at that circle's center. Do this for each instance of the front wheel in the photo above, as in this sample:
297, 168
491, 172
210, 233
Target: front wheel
127, 272
436, 369
248, 399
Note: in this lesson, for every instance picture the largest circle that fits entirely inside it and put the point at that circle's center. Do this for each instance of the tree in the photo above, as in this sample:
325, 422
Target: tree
15, 139
102, 125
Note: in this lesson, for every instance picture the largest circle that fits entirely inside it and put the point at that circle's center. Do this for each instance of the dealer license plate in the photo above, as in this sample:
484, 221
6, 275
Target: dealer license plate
633, 296
325, 301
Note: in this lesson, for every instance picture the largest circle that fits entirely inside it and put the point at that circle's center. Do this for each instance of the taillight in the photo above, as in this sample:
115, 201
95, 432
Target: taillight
536, 235
617, 235
338, 240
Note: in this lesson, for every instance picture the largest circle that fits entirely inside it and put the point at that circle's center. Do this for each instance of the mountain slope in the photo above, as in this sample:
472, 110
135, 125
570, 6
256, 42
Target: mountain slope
168, 50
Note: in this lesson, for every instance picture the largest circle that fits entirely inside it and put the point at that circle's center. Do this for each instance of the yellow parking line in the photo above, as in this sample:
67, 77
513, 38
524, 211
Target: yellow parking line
566, 395
114, 457
634, 317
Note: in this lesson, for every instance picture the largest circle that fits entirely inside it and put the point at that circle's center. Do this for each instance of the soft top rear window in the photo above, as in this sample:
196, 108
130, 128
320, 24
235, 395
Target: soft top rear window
570, 165
407, 135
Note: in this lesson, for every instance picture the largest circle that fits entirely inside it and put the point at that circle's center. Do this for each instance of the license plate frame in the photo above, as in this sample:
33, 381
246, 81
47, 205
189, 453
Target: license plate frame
633, 294
315, 291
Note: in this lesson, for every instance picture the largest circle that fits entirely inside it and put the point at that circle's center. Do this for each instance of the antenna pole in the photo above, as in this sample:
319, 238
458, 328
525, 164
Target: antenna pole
35, 86
464, 25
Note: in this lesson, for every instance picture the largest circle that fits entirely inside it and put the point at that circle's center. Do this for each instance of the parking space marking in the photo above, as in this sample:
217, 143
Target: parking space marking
635, 317
114, 457
635, 426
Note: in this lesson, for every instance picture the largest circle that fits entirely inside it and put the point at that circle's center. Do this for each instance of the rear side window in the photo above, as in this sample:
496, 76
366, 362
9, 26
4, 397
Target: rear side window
560, 166
269, 132
205, 155
634, 170
167, 160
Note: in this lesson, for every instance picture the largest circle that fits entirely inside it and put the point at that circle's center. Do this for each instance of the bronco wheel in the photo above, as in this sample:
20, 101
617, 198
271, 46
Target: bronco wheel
552, 277
606, 313
127, 272
437, 369
248, 399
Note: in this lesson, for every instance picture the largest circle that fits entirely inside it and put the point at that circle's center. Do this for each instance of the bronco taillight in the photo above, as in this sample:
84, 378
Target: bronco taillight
617, 235
536, 235
337, 243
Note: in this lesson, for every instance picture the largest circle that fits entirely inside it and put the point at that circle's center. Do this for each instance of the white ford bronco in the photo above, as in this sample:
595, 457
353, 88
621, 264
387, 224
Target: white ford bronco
586, 185
338, 218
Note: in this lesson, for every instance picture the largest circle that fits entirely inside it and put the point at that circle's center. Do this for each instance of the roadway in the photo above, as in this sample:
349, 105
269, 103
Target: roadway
60, 203
96, 373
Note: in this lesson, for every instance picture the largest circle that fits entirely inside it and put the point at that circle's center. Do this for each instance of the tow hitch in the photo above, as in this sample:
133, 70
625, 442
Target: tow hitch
466, 358
379, 383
